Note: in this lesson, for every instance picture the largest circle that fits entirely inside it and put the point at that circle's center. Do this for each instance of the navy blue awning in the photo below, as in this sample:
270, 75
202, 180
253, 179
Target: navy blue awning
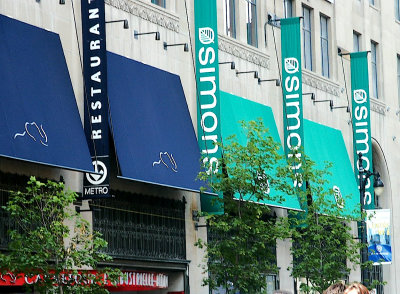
39, 118
151, 125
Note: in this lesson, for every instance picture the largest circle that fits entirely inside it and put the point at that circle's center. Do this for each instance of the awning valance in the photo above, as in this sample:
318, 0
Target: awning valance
151, 125
39, 118
324, 144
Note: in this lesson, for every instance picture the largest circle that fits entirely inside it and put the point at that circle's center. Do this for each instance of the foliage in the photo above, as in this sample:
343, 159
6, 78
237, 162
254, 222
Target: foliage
322, 236
52, 242
241, 247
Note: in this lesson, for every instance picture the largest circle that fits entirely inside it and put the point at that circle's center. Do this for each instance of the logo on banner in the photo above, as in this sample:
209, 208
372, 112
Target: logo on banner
37, 134
206, 35
167, 160
291, 65
101, 173
338, 197
360, 96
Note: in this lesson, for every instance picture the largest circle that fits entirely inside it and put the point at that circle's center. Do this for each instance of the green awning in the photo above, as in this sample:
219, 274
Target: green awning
324, 144
235, 109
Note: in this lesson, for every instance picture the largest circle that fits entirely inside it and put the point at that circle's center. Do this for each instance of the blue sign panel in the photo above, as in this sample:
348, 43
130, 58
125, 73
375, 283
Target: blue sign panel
379, 236
39, 118
152, 129
96, 110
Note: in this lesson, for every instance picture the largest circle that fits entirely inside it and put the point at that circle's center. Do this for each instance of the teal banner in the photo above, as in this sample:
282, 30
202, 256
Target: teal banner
207, 79
361, 122
292, 92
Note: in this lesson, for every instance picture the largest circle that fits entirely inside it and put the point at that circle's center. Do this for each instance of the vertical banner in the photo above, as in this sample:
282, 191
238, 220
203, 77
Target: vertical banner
378, 236
292, 91
361, 121
207, 79
96, 101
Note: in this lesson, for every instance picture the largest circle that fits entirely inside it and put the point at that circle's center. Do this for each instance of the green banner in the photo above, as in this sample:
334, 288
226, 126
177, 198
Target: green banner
361, 121
207, 79
292, 92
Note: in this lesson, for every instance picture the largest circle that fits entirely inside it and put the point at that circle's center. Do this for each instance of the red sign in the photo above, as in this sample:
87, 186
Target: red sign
128, 281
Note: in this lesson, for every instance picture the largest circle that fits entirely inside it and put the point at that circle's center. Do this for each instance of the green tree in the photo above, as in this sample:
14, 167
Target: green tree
323, 242
241, 248
51, 243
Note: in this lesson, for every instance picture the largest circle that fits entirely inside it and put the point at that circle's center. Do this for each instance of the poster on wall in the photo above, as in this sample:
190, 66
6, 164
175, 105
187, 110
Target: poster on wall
378, 236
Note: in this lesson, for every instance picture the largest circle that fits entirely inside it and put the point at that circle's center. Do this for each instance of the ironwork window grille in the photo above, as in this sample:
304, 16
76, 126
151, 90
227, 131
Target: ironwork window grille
307, 39
374, 68
356, 42
229, 18
8, 182
251, 22
288, 8
159, 2
142, 227
324, 46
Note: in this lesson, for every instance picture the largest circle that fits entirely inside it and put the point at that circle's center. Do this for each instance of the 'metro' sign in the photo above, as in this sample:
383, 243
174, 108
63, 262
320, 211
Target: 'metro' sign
96, 102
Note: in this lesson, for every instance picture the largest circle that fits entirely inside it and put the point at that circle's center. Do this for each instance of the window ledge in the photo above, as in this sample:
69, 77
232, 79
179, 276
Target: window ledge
243, 51
397, 21
374, 7
319, 82
148, 11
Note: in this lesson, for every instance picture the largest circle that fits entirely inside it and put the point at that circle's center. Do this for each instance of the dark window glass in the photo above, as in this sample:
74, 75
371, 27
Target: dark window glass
356, 42
288, 8
307, 38
159, 2
251, 22
374, 69
324, 46
229, 18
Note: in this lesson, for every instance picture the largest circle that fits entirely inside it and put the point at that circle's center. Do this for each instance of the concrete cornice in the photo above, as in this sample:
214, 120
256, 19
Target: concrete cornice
148, 12
242, 51
316, 81
378, 106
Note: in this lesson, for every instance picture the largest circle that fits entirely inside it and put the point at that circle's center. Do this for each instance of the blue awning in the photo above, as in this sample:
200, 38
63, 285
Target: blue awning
39, 118
151, 125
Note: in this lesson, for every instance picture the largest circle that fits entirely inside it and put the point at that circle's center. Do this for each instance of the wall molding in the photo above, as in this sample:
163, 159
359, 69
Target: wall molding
313, 80
147, 12
248, 53
378, 106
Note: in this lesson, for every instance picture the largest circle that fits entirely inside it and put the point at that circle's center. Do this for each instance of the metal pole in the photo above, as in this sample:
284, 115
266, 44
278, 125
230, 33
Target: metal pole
364, 251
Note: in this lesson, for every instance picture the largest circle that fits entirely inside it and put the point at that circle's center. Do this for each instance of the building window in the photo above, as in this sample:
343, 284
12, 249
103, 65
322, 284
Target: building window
251, 22
356, 42
324, 46
229, 18
397, 7
307, 38
372, 2
374, 69
159, 2
288, 8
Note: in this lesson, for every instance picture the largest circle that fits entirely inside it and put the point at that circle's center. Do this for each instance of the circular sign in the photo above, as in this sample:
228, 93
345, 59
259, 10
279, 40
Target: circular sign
101, 170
